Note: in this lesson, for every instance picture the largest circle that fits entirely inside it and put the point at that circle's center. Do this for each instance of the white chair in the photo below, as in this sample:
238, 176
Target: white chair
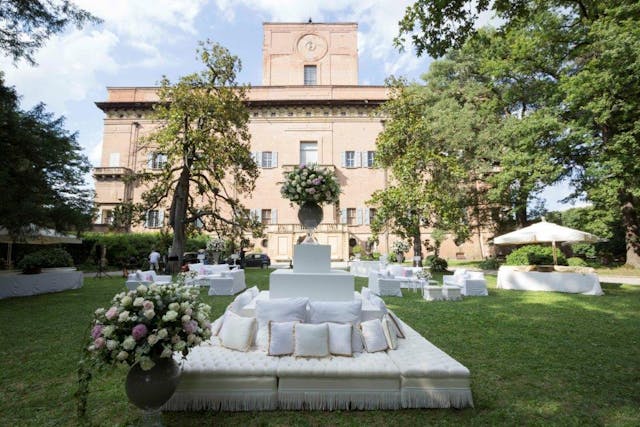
145, 278
384, 286
227, 283
472, 283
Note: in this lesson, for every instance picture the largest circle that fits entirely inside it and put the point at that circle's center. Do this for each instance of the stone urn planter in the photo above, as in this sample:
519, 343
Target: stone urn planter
310, 215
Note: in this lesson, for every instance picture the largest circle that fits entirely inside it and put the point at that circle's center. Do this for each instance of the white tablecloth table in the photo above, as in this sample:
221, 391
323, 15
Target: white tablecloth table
576, 283
50, 280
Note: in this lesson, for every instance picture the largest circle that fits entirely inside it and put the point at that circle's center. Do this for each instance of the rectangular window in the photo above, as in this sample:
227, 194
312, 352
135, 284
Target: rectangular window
371, 155
308, 152
350, 159
267, 159
310, 75
351, 216
156, 160
153, 219
266, 216
372, 215
107, 216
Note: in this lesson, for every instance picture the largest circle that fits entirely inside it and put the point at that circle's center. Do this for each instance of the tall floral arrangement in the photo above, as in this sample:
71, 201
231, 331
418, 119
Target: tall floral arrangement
149, 322
399, 246
311, 183
215, 245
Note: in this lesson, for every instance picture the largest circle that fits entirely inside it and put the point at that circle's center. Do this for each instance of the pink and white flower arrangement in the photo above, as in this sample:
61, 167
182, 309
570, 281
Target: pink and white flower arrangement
150, 322
311, 183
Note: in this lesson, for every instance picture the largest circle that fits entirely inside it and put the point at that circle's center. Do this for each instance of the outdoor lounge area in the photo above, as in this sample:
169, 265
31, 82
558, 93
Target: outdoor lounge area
518, 359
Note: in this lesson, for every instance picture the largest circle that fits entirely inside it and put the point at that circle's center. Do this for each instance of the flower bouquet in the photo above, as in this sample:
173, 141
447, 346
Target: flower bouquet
311, 184
148, 323
423, 274
215, 245
399, 247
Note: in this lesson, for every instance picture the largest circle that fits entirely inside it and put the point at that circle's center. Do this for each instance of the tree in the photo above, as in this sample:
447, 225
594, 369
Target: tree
42, 170
592, 50
26, 25
205, 139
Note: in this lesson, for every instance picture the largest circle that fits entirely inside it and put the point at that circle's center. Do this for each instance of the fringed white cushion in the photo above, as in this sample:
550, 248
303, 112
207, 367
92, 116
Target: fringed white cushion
389, 332
339, 312
216, 325
311, 340
277, 310
396, 324
373, 336
281, 340
240, 301
340, 339
237, 332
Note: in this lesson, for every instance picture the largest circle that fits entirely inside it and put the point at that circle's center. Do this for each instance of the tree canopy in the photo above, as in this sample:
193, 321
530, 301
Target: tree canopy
205, 138
580, 61
25, 25
42, 170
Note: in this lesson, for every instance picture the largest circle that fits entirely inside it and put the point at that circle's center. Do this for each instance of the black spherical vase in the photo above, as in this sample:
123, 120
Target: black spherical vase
310, 215
151, 389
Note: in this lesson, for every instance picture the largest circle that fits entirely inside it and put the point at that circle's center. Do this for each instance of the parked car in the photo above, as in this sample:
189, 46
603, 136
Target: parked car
253, 260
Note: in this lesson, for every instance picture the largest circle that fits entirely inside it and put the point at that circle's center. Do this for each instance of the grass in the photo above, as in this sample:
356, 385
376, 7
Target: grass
535, 359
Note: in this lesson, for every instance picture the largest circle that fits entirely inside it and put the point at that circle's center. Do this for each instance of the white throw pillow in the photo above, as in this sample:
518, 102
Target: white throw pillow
216, 325
311, 340
389, 333
395, 323
373, 336
240, 301
281, 340
378, 302
277, 310
340, 336
237, 332
339, 312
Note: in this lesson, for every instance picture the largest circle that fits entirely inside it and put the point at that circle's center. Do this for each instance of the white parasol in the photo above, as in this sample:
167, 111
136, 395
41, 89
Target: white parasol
546, 232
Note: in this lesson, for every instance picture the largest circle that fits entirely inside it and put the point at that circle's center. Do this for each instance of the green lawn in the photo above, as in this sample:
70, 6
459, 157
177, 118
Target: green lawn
535, 359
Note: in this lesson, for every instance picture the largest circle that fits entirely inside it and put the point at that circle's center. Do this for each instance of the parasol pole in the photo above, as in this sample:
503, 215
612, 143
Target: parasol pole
555, 256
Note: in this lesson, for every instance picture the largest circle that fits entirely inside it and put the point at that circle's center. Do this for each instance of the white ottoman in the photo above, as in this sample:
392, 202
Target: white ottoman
452, 293
432, 293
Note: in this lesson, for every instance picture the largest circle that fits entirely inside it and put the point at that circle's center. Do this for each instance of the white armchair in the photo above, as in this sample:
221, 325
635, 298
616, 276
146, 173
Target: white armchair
145, 278
384, 286
471, 283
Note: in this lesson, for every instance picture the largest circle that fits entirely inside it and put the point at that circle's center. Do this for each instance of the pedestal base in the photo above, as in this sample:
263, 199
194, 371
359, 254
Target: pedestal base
336, 285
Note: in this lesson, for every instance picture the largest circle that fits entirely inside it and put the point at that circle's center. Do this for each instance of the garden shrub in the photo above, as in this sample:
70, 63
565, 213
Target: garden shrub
489, 264
436, 265
46, 258
534, 255
576, 262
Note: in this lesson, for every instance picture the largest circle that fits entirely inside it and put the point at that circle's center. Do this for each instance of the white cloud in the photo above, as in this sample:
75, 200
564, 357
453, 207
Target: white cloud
66, 69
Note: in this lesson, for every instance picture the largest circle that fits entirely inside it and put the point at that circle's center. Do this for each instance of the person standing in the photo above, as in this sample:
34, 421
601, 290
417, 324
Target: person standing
154, 260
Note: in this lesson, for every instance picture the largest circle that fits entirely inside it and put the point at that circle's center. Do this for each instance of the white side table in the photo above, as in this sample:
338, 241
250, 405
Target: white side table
452, 293
432, 293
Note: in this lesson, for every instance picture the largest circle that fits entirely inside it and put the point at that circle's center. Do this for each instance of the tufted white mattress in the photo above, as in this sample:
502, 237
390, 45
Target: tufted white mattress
415, 375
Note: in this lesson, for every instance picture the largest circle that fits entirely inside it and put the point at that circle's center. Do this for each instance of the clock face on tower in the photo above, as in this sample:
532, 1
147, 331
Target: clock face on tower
312, 47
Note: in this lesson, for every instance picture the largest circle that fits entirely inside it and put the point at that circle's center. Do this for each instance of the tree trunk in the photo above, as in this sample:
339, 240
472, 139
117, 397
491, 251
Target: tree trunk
178, 215
521, 216
417, 247
630, 224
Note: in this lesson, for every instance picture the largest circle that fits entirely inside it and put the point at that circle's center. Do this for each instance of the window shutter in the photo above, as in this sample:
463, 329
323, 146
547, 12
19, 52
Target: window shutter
343, 159
365, 159
356, 160
150, 160
99, 217
274, 159
259, 158
160, 217
367, 216
274, 216
343, 216
146, 220
359, 213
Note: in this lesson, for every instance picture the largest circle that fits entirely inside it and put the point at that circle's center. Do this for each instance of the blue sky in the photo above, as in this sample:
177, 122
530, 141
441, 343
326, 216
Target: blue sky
140, 41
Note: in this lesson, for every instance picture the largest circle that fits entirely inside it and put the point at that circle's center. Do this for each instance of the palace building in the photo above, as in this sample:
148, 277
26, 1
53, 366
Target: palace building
309, 109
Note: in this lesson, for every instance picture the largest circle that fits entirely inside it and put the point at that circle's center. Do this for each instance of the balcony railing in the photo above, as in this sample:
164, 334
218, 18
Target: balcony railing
297, 228
111, 172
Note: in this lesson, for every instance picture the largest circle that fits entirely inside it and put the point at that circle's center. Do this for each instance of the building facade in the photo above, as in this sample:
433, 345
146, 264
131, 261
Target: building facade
310, 109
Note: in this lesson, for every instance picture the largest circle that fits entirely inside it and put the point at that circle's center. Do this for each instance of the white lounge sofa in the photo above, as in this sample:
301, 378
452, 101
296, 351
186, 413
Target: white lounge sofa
415, 375
471, 283
227, 283
383, 285
145, 278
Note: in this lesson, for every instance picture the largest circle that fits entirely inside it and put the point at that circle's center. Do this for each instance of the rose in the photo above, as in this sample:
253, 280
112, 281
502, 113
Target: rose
174, 306
126, 301
124, 316
96, 331
167, 352
152, 339
99, 343
112, 313
146, 363
108, 331
163, 333
99, 312
170, 316
129, 343
139, 331
112, 345
147, 305
138, 302
190, 326
185, 318
142, 289
123, 355
149, 314
179, 346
